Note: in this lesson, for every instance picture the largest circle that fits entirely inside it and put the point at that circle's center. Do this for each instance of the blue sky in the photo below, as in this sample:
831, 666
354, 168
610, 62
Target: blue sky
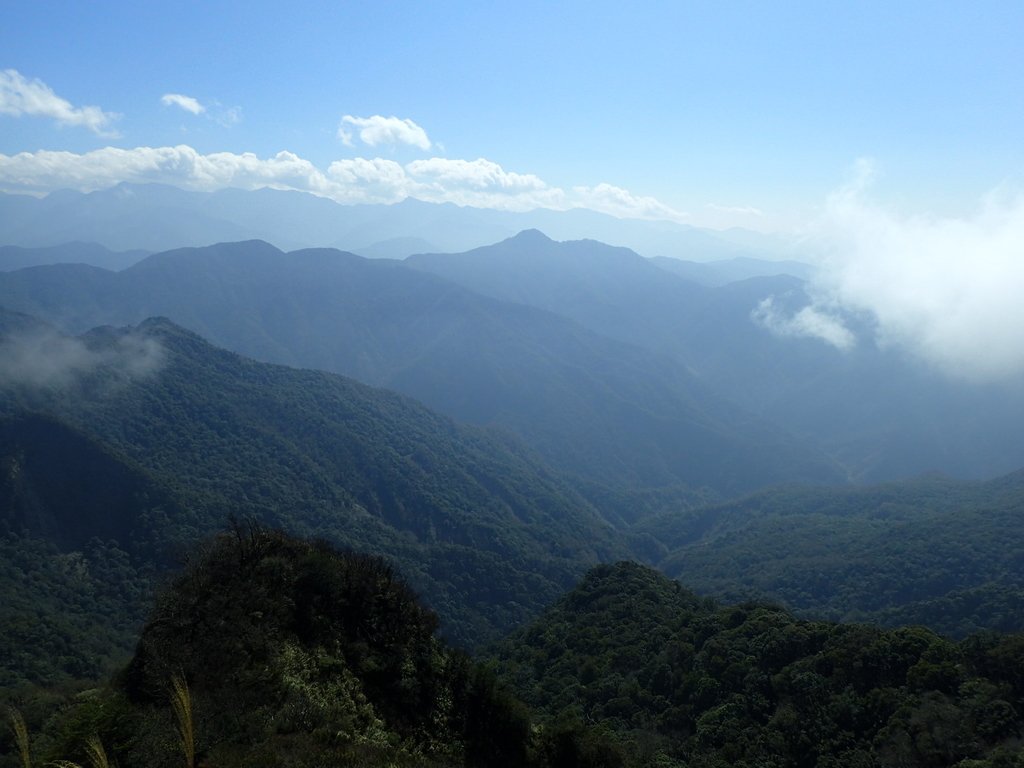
714, 113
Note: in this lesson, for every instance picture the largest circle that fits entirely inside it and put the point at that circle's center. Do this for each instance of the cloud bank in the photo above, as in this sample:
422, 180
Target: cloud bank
45, 358
478, 183
949, 291
376, 130
186, 103
20, 96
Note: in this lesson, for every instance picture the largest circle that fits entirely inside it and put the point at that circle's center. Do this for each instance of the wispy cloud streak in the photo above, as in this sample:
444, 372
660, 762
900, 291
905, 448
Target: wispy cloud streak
20, 96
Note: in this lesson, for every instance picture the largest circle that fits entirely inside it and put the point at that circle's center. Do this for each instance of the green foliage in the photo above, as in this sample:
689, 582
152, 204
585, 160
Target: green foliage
680, 680
67, 615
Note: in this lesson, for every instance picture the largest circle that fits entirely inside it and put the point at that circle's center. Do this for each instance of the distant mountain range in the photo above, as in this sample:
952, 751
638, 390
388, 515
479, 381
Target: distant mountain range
614, 366
16, 257
155, 217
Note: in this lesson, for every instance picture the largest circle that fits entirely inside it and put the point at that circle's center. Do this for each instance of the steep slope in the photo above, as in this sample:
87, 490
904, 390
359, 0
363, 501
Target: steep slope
682, 681
62, 486
82, 534
473, 519
609, 411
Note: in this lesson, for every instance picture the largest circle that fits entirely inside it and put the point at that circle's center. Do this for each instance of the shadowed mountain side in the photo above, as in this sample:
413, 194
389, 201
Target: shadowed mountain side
82, 533
61, 485
600, 408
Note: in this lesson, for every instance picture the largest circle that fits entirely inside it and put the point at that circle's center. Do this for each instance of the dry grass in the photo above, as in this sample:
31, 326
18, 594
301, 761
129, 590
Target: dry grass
20, 737
94, 750
181, 701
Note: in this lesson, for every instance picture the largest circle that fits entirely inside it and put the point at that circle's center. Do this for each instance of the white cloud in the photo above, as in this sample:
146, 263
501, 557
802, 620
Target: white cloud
187, 103
946, 290
376, 130
478, 183
21, 96
622, 203
810, 321
45, 358
362, 180
46, 170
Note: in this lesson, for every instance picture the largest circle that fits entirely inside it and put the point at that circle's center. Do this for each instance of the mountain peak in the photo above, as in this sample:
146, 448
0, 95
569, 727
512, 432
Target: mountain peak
530, 236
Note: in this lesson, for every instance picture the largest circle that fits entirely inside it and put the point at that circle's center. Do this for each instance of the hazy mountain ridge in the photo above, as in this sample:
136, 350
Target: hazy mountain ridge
694, 349
14, 257
595, 406
156, 217
725, 271
880, 413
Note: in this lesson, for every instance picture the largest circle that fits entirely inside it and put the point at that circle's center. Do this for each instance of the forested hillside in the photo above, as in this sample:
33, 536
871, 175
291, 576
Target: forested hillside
478, 524
933, 551
270, 650
148, 438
